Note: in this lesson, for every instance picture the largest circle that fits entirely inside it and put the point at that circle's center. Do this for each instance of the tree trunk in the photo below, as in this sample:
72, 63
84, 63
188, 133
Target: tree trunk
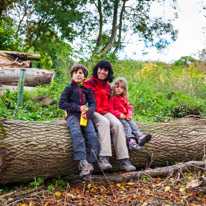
33, 77
31, 149
114, 31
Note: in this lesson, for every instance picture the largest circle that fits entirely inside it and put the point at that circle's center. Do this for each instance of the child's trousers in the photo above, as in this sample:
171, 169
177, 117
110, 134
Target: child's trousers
130, 128
82, 150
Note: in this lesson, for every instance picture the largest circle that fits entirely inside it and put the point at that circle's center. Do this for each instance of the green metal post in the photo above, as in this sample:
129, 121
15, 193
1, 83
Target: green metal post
21, 87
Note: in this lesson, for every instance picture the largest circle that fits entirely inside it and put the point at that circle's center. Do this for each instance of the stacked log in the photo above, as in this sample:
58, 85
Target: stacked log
33, 77
10, 65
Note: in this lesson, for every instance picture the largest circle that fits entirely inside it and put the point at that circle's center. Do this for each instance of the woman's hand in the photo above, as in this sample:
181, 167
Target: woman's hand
83, 108
123, 116
128, 118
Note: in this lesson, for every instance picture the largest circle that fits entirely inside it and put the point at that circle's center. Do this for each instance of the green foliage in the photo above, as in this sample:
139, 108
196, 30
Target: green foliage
145, 179
59, 183
37, 182
51, 188
8, 37
30, 110
60, 20
157, 92
184, 61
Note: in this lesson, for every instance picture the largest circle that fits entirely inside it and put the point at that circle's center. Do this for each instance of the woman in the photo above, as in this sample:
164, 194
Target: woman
106, 122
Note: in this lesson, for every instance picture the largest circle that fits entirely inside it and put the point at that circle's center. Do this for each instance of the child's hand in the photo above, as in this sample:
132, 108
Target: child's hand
84, 115
129, 118
123, 116
83, 108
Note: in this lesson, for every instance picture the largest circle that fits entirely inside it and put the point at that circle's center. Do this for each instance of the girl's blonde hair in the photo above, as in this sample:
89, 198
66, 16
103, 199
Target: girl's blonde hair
119, 81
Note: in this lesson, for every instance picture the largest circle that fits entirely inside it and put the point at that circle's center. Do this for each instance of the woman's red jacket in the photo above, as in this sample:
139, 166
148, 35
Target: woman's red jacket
101, 92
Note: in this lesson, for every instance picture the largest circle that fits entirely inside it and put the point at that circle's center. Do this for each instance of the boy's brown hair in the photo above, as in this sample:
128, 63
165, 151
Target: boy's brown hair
76, 67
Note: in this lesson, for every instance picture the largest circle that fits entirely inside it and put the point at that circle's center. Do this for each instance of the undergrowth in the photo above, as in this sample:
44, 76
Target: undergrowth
157, 92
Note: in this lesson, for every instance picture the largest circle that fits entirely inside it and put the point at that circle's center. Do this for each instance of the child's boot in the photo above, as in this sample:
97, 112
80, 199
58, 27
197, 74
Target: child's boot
143, 139
85, 168
132, 144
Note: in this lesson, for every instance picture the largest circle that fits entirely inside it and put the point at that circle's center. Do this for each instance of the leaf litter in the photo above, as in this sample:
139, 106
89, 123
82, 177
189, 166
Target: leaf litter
145, 191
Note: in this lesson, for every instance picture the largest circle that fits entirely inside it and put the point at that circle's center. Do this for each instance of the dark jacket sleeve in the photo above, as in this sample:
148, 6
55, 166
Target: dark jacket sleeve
64, 101
91, 104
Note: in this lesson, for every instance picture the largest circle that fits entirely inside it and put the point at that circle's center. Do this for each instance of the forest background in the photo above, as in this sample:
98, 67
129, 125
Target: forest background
157, 91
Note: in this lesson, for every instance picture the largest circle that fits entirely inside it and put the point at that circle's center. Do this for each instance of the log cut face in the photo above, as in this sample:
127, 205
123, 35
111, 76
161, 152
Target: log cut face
33, 77
31, 149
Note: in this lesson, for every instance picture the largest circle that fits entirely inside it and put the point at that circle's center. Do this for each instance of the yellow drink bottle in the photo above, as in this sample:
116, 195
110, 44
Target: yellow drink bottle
83, 121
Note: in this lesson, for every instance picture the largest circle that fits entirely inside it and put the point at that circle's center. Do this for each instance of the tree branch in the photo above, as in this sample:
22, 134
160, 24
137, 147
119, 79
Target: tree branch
120, 27
114, 30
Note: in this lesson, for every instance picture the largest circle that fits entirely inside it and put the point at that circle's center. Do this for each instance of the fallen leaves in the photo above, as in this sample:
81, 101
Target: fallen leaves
161, 190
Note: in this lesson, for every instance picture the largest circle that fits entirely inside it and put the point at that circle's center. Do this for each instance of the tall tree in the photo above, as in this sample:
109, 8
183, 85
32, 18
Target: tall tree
119, 18
104, 25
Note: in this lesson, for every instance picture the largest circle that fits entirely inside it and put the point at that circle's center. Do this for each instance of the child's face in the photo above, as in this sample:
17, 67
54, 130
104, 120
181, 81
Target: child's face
78, 76
119, 89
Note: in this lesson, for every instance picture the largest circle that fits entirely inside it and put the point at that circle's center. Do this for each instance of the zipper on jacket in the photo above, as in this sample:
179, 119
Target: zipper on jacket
80, 95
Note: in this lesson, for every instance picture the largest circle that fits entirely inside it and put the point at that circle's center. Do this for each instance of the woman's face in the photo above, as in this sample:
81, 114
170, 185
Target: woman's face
102, 73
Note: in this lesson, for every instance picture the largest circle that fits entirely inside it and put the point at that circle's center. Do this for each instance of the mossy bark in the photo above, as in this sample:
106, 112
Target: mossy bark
32, 149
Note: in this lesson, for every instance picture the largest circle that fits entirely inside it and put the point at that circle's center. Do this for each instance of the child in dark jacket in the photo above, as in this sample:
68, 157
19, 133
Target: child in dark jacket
122, 109
78, 98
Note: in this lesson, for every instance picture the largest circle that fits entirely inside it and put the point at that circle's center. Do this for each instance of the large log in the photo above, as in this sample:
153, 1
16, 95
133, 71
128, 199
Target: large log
31, 149
33, 77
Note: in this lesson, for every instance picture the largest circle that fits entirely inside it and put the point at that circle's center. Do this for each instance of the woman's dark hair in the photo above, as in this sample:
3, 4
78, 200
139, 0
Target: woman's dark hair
104, 65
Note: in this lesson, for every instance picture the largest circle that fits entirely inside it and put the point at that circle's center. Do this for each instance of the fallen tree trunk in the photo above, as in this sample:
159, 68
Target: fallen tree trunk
160, 171
33, 77
31, 149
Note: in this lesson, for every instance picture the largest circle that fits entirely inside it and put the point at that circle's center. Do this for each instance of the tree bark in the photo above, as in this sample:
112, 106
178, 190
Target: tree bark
33, 77
31, 149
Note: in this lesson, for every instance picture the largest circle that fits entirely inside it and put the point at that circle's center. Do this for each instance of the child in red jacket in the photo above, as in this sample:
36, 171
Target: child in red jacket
122, 109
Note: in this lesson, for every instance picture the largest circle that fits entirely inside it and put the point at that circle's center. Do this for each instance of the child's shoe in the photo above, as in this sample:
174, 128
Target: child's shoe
144, 139
85, 168
87, 178
132, 145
